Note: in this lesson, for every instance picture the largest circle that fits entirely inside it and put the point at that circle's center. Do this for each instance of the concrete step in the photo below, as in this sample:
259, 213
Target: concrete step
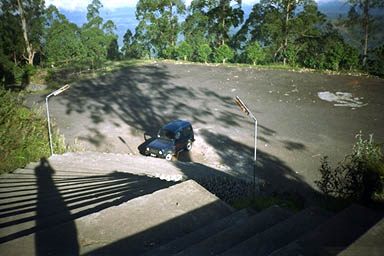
139, 165
334, 235
201, 234
370, 243
106, 162
133, 227
239, 232
47, 196
280, 234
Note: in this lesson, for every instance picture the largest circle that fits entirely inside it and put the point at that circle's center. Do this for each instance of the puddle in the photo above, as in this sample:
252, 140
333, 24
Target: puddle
342, 99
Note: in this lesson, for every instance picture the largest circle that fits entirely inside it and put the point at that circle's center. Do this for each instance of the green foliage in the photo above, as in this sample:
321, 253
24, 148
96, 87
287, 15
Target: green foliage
203, 52
170, 52
23, 134
223, 53
158, 26
255, 53
359, 176
127, 44
377, 65
184, 51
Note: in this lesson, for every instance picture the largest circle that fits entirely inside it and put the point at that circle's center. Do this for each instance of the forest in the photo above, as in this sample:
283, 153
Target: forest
290, 33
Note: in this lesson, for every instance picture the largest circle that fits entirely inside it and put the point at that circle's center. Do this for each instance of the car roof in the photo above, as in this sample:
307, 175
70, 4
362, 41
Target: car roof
176, 125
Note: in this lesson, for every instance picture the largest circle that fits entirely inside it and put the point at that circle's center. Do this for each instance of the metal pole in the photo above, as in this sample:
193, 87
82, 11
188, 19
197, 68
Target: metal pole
255, 162
49, 125
57, 92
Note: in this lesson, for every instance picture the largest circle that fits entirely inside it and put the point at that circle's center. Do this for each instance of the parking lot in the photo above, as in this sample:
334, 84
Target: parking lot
302, 116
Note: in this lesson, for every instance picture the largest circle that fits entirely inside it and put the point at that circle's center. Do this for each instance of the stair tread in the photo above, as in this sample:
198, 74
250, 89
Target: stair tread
281, 234
239, 232
179, 244
334, 235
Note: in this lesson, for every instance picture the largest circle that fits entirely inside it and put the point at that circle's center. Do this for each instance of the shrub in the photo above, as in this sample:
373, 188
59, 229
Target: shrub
203, 52
359, 176
23, 134
223, 53
184, 51
255, 53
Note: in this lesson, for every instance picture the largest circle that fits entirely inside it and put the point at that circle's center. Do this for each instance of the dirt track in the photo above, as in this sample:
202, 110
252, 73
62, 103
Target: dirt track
302, 116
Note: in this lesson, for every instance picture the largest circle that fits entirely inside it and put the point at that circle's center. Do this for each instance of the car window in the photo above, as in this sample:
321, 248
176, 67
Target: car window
165, 134
177, 136
187, 130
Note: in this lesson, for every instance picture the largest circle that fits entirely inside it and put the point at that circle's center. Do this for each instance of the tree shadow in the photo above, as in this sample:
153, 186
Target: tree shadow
145, 99
270, 169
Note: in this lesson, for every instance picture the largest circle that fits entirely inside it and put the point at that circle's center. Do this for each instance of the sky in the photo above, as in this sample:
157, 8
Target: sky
81, 5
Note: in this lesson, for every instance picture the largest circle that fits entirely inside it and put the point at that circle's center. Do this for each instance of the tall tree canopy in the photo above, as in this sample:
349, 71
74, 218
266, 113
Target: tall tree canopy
158, 24
359, 15
278, 24
63, 43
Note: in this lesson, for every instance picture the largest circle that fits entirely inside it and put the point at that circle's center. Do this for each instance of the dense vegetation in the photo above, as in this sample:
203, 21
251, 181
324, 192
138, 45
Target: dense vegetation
359, 177
286, 32
23, 134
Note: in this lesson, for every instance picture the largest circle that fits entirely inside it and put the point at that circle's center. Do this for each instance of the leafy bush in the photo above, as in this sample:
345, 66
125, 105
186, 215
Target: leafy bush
223, 53
377, 65
359, 176
255, 53
23, 134
184, 51
203, 52
169, 52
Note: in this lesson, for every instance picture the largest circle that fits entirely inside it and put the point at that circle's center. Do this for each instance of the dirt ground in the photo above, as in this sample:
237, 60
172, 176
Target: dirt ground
302, 116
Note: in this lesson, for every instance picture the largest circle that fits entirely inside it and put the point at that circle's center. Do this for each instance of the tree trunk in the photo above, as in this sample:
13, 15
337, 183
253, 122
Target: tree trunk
30, 51
366, 30
288, 9
172, 39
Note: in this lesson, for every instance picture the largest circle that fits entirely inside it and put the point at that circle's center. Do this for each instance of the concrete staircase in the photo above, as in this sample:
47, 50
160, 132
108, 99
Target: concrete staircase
110, 204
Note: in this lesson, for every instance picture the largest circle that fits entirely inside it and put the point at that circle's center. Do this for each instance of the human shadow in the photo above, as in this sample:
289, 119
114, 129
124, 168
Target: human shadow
49, 206
60, 241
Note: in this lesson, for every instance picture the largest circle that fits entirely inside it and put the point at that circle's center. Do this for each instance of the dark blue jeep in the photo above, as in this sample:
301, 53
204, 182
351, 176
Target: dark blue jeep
171, 139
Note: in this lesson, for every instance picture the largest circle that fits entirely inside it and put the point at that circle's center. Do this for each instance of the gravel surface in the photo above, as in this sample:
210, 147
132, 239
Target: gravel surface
302, 116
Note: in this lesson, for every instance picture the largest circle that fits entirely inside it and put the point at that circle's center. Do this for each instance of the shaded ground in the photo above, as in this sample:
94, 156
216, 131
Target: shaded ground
296, 126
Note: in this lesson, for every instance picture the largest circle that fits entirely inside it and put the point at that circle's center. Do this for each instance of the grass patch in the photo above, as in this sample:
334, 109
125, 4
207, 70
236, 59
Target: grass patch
23, 134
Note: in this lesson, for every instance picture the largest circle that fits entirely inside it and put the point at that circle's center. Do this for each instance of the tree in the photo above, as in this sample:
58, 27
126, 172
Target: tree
280, 24
127, 44
158, 26
63, 42
223, 53
184, 50
11, 44
359, 15
31, 18
255, 53
209, 21
203, 52
195, 26
111, 40
223, 15
98, 39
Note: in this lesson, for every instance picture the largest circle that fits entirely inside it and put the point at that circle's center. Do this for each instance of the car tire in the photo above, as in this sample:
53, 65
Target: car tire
189, 145
168, 157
